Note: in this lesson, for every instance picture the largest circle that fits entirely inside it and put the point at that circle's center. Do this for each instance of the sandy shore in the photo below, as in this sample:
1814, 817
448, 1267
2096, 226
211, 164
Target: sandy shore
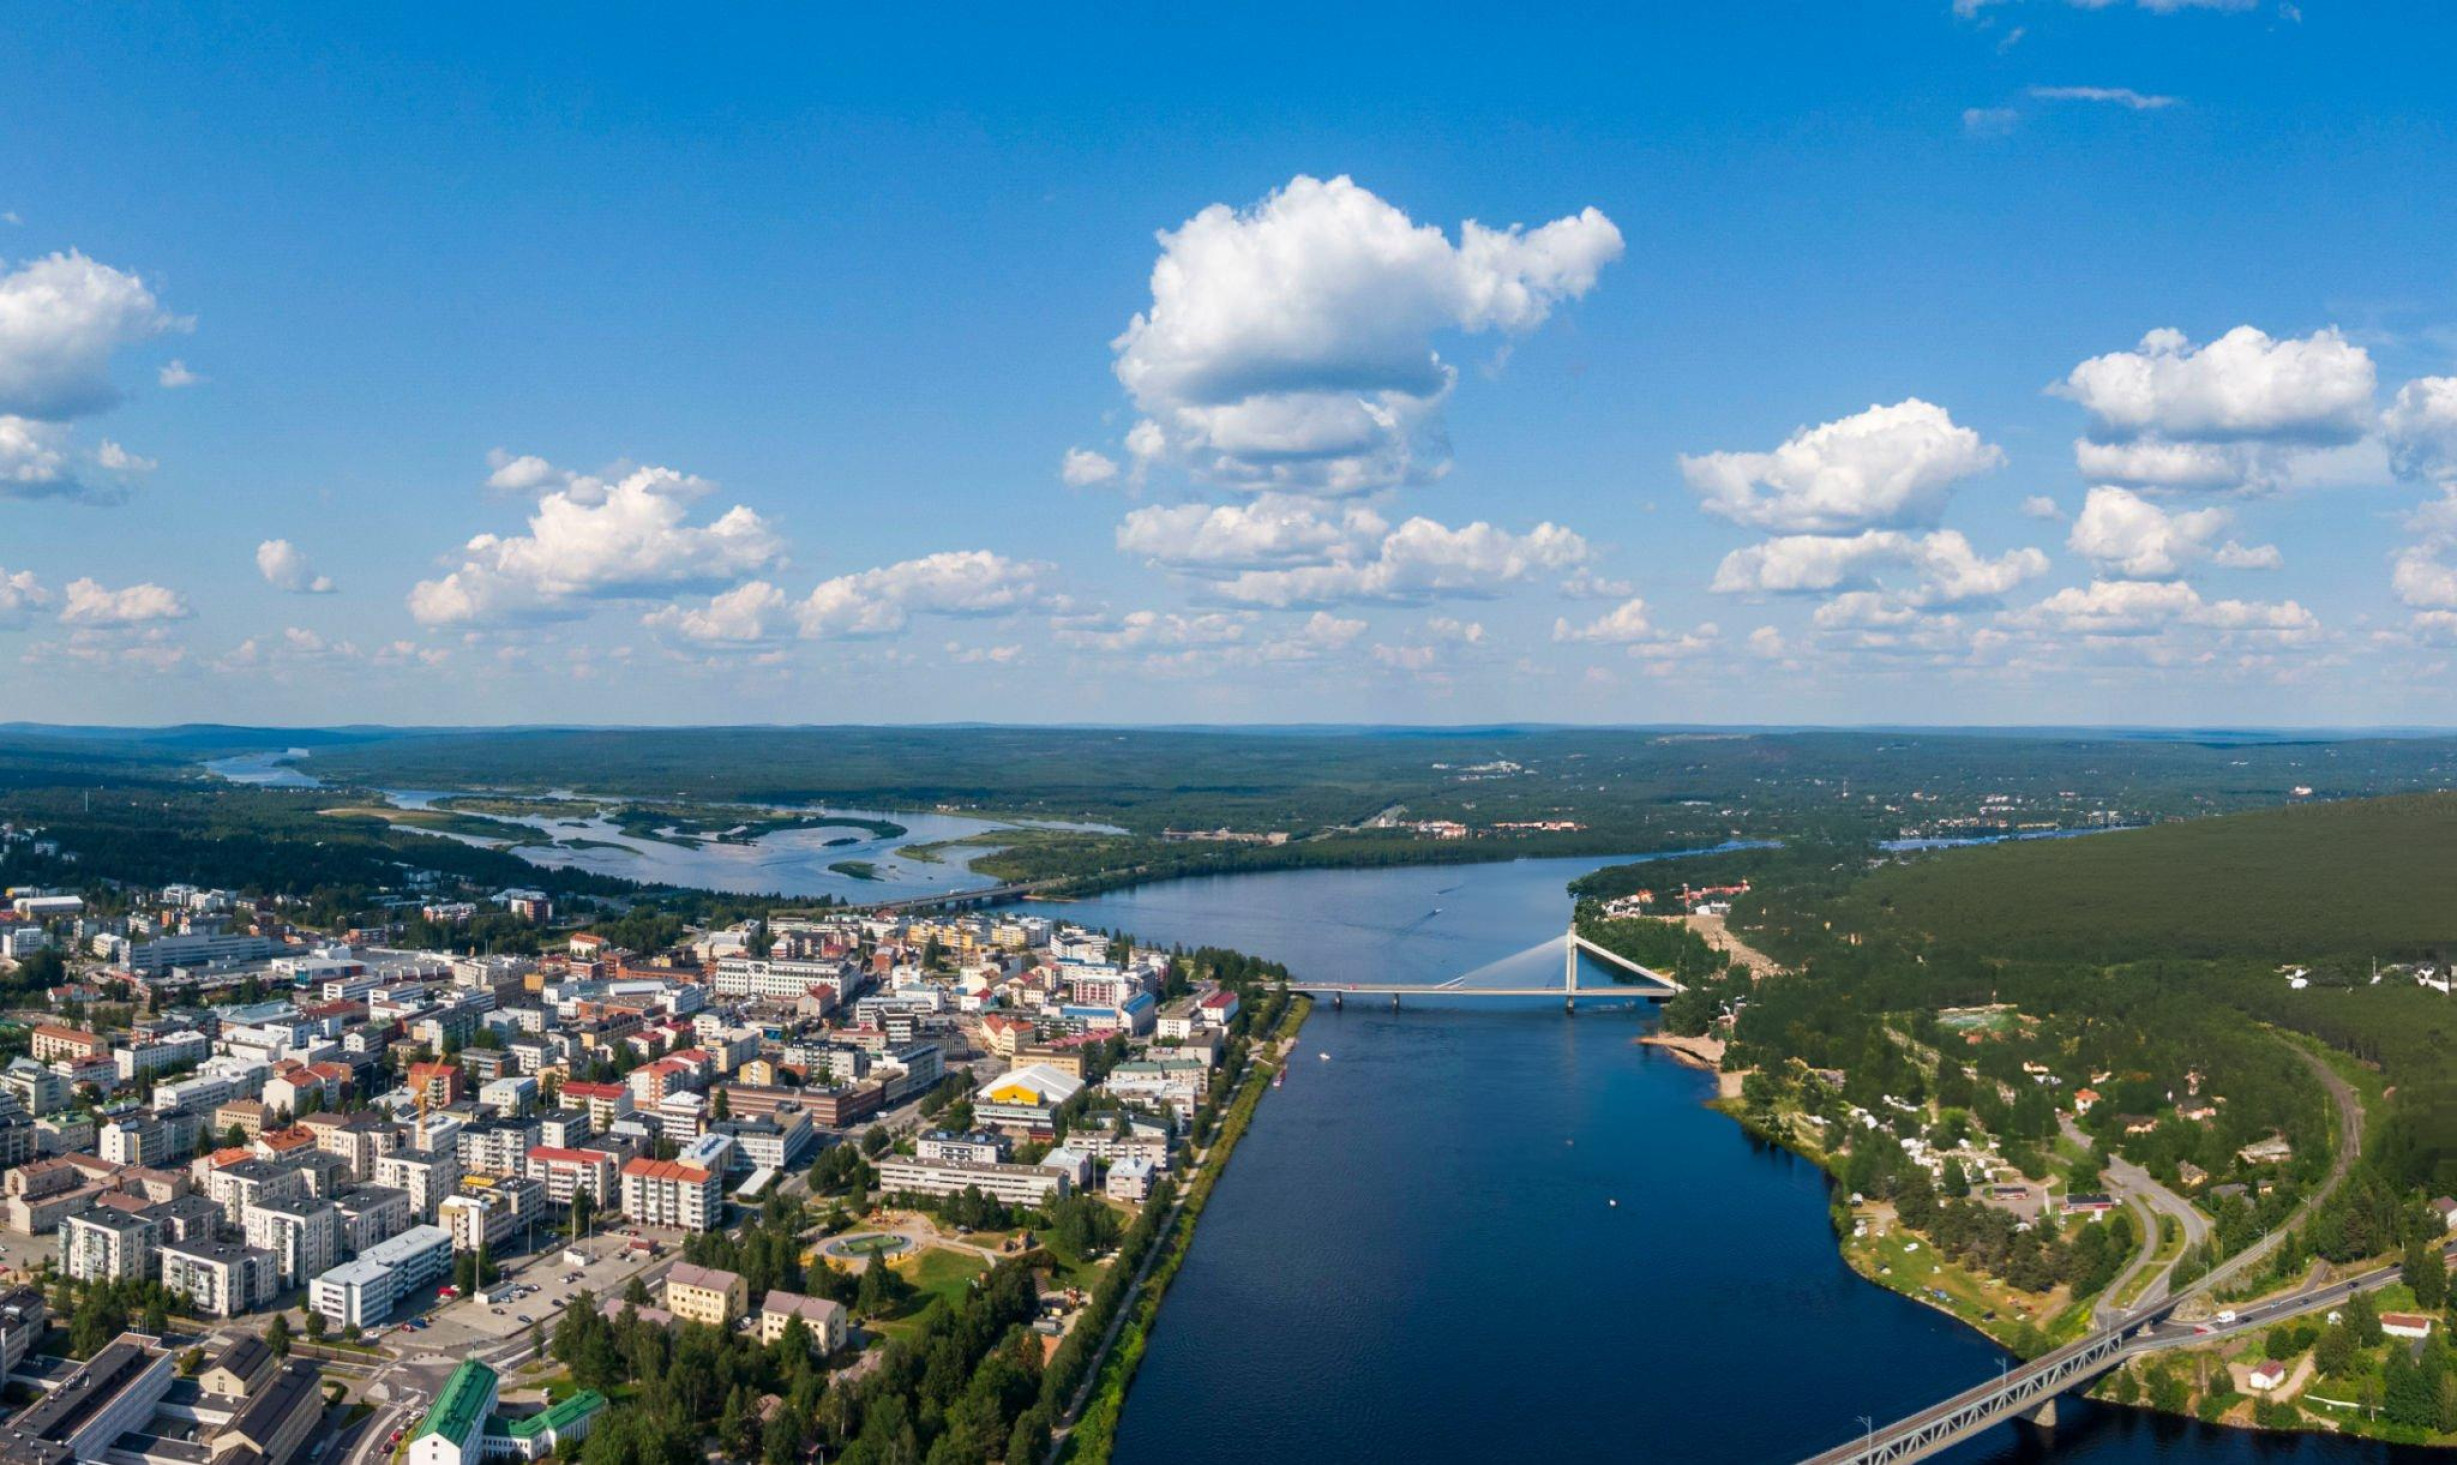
1700, 1052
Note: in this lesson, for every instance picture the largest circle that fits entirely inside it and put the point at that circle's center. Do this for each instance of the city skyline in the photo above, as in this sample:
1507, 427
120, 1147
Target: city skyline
1972, 363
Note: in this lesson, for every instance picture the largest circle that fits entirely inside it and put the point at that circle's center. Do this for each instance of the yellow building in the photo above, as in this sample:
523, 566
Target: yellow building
705, 1295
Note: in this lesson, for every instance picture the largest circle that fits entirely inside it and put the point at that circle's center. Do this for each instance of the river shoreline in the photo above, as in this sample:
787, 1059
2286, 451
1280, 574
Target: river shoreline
1691, 1053
1702, 1053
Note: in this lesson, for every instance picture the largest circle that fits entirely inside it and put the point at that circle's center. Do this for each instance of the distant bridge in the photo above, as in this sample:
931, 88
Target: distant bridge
1651, 986
951, 900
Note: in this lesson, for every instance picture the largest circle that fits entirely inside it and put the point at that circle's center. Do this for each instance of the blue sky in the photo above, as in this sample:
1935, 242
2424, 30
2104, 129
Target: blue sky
2015, 362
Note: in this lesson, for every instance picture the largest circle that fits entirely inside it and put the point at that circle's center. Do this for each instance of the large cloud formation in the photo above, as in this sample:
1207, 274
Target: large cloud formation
61, 320
1291, 345
1928, 570
597, 539
94, 605
968, 582
1887, 467
2169, 415
1270, 531
2126, 535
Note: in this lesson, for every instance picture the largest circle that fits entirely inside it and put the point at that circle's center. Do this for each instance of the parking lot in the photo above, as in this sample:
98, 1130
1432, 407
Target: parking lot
469, 1323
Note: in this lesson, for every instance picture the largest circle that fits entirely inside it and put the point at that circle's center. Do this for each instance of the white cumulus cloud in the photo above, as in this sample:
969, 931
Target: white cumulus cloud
1420, 560
750, 612
93, 605
1268, 531
1937, 569
593, 538
2147, 607
880, 602
526, 473
1144, 630
1083, 468
34, 460
1292, 345
61, 318
2421, 429
284, 567
2242, 387
2123, 534
20, 594
1887, 467
1623, 624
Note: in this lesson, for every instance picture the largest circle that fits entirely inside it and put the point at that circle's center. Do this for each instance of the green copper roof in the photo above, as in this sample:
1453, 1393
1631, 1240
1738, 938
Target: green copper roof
557, 1417
461, 1408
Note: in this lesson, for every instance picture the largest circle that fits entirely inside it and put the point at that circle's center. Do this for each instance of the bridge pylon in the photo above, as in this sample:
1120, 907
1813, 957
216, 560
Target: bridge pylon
1569, 972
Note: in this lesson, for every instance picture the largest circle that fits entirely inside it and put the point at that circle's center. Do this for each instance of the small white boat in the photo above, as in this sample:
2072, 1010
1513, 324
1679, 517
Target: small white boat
1616, 1205
1325, 1057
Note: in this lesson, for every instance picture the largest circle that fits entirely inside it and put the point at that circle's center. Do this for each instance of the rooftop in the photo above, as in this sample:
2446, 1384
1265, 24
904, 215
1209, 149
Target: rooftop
711, 1279
811, 1309
291, 1389
666, 1170
461, 1406
558, 1416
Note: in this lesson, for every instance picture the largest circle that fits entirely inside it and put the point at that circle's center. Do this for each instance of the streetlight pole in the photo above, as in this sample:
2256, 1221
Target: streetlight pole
1868, 1441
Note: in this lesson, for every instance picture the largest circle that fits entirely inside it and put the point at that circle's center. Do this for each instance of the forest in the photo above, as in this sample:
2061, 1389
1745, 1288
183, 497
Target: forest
2151, 949
1307, 780
2306, 883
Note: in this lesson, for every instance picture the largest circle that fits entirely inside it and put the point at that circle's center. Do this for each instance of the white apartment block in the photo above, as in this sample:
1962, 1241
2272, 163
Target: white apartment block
664, 1193
305, 1237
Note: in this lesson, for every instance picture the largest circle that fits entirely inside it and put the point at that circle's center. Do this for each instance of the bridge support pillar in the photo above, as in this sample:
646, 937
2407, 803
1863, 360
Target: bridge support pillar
1338, 1003
1394, 1002
2043, 1413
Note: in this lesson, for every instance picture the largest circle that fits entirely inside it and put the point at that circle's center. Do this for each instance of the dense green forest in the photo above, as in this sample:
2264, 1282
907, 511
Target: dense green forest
2149, 951
1615, 780
2304, 884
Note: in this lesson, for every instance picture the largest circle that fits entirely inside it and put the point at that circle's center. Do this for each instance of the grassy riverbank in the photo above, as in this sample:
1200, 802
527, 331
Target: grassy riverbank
1095, 1432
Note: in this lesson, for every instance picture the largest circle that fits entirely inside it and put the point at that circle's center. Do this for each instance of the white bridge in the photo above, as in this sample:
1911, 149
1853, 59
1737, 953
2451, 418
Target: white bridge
1651, 986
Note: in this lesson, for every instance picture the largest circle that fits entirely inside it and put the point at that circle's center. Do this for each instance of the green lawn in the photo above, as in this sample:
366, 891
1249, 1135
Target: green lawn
940, 1278
1915, 1273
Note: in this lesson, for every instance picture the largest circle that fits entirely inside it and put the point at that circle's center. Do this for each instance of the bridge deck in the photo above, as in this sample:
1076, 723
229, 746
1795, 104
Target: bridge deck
1654, 985
1424, 989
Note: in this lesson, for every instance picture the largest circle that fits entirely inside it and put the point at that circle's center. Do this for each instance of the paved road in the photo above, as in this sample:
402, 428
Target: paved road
2349, 1145
2150, 1200
2157, 1325
2104, 1312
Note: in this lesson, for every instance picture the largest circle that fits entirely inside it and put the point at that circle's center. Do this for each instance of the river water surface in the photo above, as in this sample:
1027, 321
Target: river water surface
1484, 1230
1417, 1254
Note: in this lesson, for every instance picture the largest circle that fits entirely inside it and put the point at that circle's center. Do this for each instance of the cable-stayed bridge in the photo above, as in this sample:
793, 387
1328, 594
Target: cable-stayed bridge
1650, 986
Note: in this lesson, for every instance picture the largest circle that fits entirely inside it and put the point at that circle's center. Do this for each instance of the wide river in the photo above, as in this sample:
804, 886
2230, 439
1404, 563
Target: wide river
1485, 1230
1417, 1253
